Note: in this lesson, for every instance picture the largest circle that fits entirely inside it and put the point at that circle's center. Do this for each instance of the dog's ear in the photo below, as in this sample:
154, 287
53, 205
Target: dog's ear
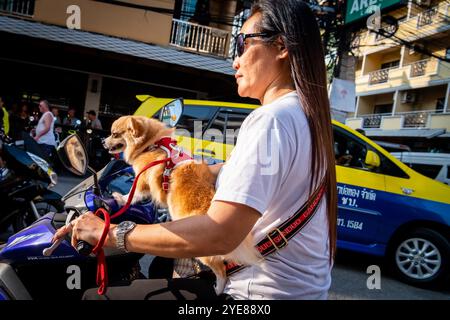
136, 129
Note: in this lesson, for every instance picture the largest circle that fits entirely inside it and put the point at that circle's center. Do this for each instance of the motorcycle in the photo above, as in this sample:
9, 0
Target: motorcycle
25, 182
27, 273
32, 267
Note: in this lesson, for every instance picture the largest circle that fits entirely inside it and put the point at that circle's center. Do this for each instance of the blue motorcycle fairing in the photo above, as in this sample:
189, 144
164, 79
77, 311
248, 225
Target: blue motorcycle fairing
27, 245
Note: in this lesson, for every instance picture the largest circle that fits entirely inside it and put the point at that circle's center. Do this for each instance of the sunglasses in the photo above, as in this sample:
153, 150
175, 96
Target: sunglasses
241, 37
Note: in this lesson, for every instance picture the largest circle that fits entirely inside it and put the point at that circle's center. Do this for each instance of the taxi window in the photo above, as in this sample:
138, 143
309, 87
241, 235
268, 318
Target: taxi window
428, 170
228, 122
192, 113
351, 152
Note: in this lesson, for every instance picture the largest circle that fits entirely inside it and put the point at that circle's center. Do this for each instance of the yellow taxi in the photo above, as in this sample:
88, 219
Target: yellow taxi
385, 207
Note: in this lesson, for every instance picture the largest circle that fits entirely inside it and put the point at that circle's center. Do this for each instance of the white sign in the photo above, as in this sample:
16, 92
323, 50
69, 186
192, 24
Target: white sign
342, 95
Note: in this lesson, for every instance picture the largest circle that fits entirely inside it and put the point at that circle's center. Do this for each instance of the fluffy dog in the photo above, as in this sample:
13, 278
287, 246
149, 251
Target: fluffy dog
191, 186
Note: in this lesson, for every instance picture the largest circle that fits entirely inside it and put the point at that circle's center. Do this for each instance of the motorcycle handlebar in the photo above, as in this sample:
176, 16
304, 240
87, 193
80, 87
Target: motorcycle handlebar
84, 248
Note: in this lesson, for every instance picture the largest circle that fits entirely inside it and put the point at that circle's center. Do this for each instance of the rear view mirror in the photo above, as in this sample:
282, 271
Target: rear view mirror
171, 112
372, 159
73, 155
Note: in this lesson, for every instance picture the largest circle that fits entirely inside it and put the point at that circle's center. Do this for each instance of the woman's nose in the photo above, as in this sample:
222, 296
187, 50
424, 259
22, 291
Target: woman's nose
236, 63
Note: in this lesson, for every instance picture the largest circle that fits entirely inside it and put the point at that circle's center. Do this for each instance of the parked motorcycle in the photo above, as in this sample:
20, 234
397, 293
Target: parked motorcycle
25, 185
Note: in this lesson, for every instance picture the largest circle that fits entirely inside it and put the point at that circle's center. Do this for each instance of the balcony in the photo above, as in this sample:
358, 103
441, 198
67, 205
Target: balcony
417, 74
17, 7
423, 119
379, 76
200, 39
426, 23
427, 17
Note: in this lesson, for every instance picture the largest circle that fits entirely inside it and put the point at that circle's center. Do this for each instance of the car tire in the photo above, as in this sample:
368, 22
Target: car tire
421, 258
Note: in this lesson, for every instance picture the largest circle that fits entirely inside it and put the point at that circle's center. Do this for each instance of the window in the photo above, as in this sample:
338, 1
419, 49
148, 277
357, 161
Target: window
20, 7
392, 64
382, 108
428, 170
351, 152
192, 114
440, 105
228, 122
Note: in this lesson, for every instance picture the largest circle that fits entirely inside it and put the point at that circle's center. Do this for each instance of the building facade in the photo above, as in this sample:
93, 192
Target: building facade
98, 55
403, 82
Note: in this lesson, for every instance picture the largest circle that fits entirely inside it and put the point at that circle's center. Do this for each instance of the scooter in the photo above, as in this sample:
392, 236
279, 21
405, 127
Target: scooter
31, 267
25, 183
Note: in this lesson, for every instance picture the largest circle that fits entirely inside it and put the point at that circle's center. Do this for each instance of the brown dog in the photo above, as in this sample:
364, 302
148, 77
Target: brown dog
191, 186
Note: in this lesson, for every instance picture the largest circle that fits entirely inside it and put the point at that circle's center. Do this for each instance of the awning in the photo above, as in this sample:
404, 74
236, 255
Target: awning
419, 133
112, 44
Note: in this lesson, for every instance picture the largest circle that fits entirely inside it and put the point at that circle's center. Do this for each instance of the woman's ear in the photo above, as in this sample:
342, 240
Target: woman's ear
283, 52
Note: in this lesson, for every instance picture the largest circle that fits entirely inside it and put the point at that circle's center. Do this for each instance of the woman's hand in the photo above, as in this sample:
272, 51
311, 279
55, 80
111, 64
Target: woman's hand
215, 169
87, 227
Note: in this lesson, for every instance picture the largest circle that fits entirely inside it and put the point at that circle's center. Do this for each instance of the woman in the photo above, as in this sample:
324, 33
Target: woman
283, 153
19, 122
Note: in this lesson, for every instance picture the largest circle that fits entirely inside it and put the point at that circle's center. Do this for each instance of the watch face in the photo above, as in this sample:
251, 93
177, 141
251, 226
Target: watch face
127, 225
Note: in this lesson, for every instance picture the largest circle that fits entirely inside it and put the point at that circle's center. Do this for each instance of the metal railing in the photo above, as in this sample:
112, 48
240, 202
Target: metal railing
372, 120
418, 68
194, 37
379, 76
427, 17
19, 7
416, 119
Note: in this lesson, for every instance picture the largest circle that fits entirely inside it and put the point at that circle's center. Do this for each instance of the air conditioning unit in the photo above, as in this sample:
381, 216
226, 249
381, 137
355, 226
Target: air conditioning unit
423, 3
409, 97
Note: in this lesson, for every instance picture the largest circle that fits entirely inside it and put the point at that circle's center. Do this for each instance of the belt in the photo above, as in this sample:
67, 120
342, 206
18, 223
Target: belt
278, 238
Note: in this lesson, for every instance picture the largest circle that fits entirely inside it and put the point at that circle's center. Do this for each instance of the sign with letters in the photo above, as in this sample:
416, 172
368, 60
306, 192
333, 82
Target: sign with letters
358, 9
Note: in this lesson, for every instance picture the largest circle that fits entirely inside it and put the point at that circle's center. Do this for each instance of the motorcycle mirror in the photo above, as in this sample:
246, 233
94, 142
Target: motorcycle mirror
73, 155
171, 112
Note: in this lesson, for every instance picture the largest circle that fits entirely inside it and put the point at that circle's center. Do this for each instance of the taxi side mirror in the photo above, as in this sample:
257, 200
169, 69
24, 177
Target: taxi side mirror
171, 112
372, 159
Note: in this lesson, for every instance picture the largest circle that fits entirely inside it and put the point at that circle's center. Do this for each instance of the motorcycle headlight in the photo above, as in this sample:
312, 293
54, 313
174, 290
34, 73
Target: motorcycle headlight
53, 178
45, 167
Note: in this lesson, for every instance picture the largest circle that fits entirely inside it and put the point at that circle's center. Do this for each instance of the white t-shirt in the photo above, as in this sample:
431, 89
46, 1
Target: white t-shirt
269, 170
49, 137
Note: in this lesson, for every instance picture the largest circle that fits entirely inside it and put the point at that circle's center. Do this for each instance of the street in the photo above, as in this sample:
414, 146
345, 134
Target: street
349, 276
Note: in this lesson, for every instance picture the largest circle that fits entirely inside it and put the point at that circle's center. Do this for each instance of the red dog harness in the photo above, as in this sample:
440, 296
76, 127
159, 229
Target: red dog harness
175, 156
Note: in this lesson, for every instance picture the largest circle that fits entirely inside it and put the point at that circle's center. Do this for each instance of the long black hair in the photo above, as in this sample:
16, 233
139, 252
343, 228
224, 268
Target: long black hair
294, 22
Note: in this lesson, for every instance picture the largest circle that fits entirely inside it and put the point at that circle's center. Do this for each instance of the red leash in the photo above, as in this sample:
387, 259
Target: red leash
102, 273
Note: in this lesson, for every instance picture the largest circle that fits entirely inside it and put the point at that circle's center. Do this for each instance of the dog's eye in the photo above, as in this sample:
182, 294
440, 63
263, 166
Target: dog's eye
115, 135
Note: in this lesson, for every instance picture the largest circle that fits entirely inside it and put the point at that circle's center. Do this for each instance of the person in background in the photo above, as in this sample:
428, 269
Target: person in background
92, 121
16, 123
4, 117
71, 119
44, 130
55, 112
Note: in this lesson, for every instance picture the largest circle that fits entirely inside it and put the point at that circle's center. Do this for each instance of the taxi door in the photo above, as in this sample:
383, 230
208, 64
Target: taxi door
360, 190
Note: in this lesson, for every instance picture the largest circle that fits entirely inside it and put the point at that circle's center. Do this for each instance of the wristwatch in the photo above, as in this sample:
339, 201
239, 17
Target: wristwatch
121, 232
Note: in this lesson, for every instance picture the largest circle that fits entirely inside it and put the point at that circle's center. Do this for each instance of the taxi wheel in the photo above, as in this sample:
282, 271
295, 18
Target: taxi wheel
421, 258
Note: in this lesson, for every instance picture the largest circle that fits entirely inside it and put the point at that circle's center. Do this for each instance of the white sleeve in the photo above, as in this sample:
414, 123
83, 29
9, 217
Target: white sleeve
258, 163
